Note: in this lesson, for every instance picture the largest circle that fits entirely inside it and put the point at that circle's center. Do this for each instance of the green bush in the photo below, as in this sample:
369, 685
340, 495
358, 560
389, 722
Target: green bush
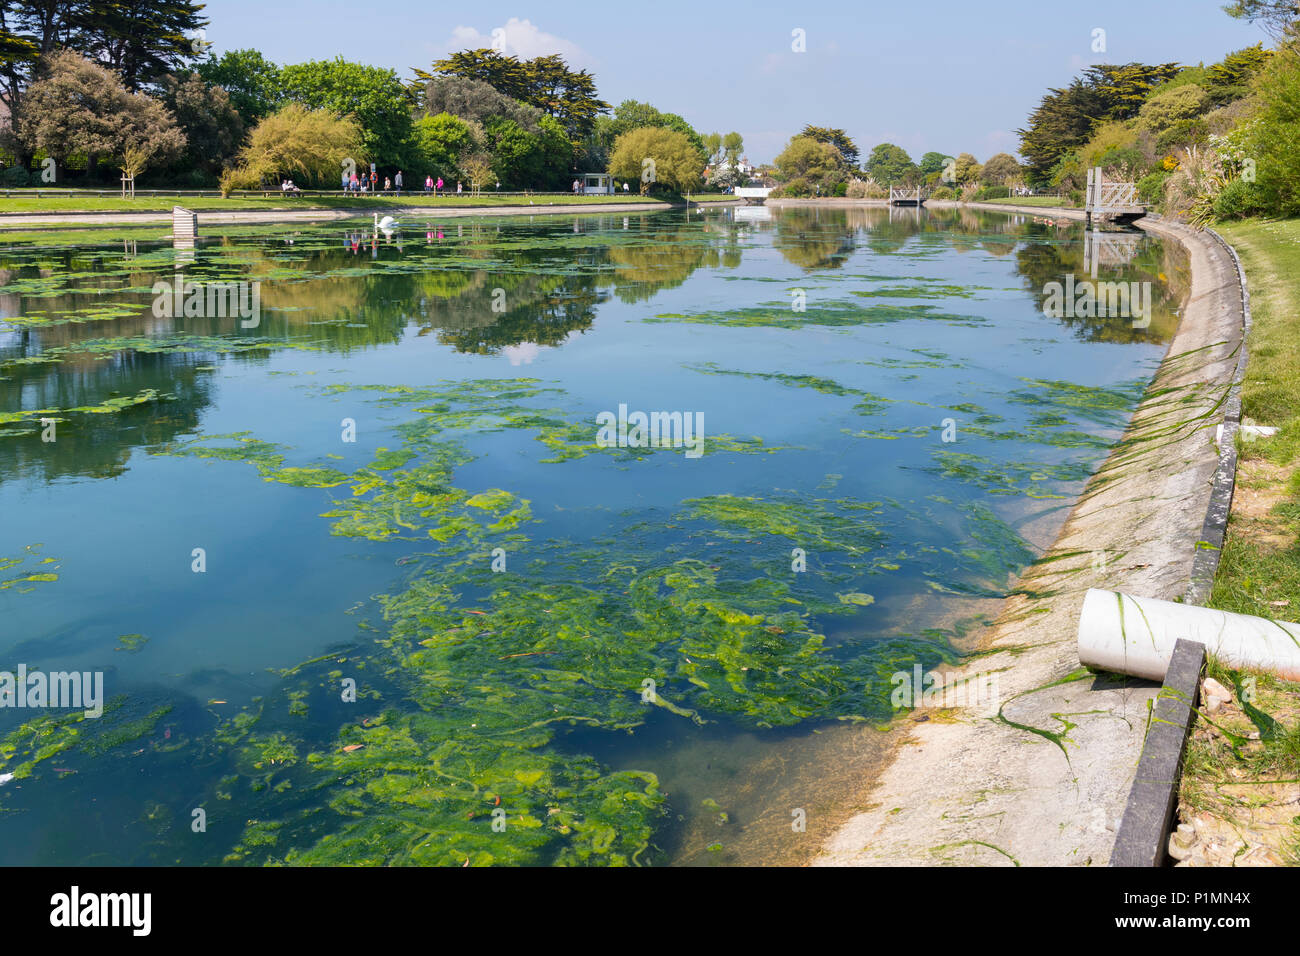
16, 176
795, 189
1236, 200
1183, 133
840, 189
993, 192
1151, 187
943, 192
1275, 137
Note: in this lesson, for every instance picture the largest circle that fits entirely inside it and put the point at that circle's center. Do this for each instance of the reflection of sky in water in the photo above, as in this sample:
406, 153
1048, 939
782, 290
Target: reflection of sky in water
659, 312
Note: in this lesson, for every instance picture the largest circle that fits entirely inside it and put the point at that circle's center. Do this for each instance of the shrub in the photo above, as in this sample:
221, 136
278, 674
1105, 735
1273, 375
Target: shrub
839, 189
943, 192
993, 192
1236, 201
1151, 187
16, 176
796, 188
1275, 139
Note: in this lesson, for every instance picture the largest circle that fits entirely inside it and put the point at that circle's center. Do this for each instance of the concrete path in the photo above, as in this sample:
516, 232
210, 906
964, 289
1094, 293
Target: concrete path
1043, 779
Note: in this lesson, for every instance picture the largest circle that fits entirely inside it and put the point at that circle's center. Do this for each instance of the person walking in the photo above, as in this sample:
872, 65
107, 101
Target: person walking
352, 182
439, 189
458, 186
344, 187
397, 182
428, 184
388, 184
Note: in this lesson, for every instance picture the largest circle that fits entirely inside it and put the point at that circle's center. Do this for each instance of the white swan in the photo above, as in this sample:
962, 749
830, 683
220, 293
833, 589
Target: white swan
387, 224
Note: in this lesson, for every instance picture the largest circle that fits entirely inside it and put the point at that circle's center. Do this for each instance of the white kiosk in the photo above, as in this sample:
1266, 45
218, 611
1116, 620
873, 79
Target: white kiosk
597, 184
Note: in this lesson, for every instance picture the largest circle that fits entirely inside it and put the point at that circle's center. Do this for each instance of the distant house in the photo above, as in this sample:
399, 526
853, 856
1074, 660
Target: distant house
743, 167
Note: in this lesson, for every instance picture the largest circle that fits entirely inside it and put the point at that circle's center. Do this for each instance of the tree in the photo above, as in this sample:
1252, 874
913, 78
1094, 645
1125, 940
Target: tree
1065, 118
713, 146
375, 96
80, 107
1167, 107
630, 115
732, 145
476, 102
1274, 136
1230, 78
306, 144
837, 138
524, 159
808, 159
890, 164
545, 83
1278, 17
213, 128
1000, 168
441, 142
967, 169
143, 40
654, 154
933, 163
252, 81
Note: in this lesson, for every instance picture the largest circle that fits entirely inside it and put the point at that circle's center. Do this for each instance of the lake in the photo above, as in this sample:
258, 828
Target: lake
379, 563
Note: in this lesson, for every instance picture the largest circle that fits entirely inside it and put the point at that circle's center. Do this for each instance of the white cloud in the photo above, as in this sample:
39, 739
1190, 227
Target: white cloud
522, 354
517, 37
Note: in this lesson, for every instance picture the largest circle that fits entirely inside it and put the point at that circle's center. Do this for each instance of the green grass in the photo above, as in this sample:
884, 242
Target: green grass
1260, 566
1259, 570
26, 201
1031, 201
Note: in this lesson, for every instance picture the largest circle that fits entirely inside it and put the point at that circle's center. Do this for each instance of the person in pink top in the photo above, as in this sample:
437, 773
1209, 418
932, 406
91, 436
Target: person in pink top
439, 184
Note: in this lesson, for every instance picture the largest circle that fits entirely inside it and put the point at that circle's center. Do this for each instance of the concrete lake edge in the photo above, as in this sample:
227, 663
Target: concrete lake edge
1045, 779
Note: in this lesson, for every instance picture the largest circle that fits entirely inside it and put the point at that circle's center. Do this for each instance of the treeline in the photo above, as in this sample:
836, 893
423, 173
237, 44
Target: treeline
97, 87
824, 161
1203, 143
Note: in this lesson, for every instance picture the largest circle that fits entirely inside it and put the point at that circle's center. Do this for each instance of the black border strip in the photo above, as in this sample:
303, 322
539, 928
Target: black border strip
1209, 548
1143, 834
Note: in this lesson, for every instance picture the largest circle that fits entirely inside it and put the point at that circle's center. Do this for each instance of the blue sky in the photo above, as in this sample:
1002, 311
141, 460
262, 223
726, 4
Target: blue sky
945, 75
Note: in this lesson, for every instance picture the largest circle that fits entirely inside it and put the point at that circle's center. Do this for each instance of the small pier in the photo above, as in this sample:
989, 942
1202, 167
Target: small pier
902, 196
1111, 202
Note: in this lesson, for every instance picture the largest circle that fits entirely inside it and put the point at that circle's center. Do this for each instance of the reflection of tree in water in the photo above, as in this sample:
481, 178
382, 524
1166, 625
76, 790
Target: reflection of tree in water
98, 446
540, 310
1043, 262
814, 238
663, 260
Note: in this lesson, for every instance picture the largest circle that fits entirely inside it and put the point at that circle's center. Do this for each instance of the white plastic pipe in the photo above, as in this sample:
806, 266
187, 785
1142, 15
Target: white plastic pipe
1129, 635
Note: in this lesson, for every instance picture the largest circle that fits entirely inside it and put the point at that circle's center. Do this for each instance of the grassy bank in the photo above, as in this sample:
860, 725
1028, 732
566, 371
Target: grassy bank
1242, 774
1260, 568
28, 202
1031, 201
